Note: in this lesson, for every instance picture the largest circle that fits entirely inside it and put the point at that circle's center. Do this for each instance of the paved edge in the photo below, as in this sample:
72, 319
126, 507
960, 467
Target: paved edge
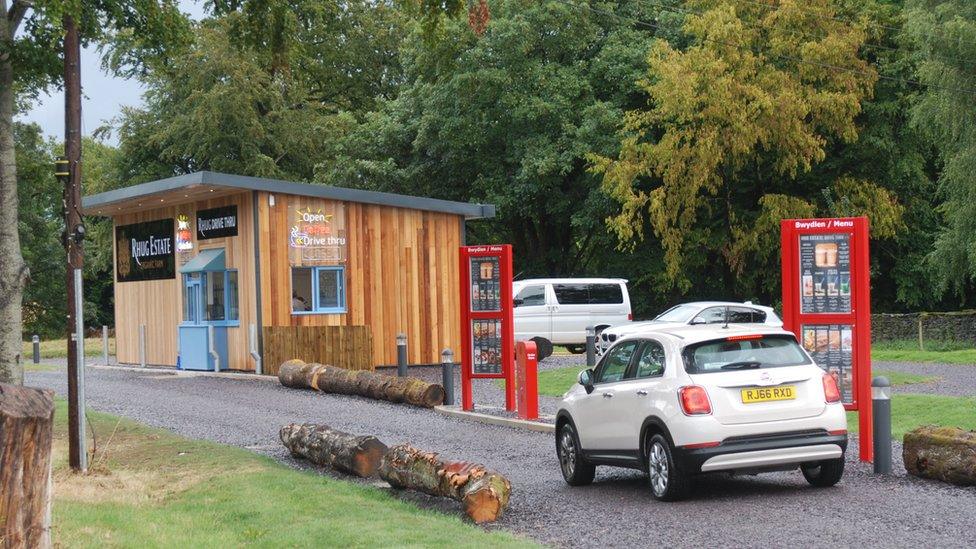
184, 373
456, 411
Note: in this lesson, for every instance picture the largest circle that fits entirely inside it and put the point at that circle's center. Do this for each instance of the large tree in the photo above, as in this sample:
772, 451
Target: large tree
134, 33
507, 116
264, 90
732, 121
943, 35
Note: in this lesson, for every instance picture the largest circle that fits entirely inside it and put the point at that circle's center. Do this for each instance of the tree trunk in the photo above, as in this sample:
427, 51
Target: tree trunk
13, 270
26, 423
323, 445
944, 453
329, 379
483, 492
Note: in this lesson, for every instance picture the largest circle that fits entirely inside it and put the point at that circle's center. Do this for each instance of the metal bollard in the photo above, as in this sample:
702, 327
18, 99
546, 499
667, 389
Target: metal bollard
881, 404
401, 340
447, 376
105, 344
36, 340
142, 345
590, 346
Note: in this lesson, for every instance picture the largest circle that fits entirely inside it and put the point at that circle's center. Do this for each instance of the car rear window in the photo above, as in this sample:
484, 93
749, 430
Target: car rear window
743, 352
588, 294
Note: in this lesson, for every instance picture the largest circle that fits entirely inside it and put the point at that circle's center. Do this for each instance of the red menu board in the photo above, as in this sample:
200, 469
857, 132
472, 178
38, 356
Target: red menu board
487, 323
827, 304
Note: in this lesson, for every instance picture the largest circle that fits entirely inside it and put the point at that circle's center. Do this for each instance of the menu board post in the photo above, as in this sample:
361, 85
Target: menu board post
487, 322
827, 304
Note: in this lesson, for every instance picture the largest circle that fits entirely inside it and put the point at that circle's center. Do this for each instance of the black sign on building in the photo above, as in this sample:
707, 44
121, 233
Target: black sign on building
217, 222
145, 251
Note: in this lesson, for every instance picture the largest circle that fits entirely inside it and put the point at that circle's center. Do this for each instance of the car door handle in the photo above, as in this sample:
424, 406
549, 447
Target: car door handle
642, 393
607, 395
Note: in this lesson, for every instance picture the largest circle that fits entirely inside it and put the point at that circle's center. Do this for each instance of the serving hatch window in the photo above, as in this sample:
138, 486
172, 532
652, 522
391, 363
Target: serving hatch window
318, 289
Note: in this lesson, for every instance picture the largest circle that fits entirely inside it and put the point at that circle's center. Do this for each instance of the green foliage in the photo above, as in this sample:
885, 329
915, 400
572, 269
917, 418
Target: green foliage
508, 118
943, 36
41, 224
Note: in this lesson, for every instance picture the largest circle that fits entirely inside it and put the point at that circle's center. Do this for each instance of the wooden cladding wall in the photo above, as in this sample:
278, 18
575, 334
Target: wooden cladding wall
159, 303
348, 347
401, 276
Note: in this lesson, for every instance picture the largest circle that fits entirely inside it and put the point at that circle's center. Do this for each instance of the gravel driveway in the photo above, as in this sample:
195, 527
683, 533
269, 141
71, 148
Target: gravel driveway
777, 509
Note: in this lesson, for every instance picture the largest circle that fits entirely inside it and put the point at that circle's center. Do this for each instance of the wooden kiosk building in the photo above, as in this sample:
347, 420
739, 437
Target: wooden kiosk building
214, 270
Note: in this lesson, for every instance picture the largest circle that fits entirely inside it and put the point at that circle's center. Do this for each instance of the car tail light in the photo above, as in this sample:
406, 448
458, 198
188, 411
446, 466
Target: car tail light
701, 445
694, 401
744, 337
837, 432
630, 316
831, 391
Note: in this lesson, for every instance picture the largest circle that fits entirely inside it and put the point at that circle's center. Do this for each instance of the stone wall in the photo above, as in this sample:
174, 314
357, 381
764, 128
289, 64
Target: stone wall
954, 326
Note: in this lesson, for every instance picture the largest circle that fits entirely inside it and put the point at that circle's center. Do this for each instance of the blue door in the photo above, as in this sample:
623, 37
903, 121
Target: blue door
203, 329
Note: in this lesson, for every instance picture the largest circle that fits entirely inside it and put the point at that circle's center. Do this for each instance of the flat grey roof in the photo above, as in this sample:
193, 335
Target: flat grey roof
92, 205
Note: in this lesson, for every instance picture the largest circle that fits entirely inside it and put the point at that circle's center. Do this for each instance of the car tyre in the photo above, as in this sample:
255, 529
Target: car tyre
576, 349
543, 347
576, 470
824, 474
667, 481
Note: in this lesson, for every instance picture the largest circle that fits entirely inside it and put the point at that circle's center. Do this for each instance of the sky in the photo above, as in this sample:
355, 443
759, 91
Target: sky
103, 95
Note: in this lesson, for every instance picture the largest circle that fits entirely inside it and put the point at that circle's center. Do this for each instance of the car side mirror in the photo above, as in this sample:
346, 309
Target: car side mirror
586, 380
517, 302
695, 321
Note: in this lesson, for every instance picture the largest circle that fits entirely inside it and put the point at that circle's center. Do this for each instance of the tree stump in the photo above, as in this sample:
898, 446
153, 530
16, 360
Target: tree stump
944, 453
329, 379
484, 493
26, 430
323, 445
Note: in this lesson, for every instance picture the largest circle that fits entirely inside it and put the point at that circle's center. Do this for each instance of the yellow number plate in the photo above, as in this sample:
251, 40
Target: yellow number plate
768, 394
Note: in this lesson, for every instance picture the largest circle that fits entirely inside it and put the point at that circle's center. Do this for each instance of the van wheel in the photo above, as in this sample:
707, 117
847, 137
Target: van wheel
823, 474
576, 349
543, 347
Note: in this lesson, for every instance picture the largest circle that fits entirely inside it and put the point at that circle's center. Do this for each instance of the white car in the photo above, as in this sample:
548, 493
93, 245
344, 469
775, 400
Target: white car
700, 399
697, 312
558, 310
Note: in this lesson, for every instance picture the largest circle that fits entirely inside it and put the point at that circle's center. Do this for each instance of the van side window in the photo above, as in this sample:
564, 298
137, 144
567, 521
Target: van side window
531, 295
588, 294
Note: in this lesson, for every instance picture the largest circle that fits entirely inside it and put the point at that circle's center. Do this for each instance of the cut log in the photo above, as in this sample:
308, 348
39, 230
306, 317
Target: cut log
26, 422
484, 493
944, 453
323, 445
329, 379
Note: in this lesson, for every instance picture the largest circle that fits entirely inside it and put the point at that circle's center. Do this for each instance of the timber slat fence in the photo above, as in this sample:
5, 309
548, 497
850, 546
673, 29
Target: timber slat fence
349, 347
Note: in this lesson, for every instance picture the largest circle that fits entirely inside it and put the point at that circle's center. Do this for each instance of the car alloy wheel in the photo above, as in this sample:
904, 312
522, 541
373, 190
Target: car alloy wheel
567, 453
657, 468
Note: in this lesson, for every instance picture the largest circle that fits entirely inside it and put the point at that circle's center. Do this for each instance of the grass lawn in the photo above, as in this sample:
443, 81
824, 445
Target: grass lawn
935, 351
911, 411
58, 348
151, 488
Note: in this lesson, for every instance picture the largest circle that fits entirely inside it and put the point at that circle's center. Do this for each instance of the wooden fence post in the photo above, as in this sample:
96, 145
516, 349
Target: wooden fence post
26, 431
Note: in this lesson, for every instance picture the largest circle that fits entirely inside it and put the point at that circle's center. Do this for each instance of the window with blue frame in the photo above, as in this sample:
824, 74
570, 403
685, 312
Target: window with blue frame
318, 289
211, 296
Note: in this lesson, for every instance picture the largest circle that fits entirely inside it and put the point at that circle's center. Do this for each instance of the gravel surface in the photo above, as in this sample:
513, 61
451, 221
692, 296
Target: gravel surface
777, 509
954, 379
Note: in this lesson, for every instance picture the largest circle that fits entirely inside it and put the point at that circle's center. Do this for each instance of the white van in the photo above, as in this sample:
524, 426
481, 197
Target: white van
558, 310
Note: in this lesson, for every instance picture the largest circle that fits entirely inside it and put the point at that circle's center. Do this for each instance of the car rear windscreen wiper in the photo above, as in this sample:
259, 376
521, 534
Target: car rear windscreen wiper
744, 365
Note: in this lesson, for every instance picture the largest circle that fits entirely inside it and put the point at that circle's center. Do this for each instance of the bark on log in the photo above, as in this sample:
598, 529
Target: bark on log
26, 422
484, 493
323, 445
944, 453
329, 379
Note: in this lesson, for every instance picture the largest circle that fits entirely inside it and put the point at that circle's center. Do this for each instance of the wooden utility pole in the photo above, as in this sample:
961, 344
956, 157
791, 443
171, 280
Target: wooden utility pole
74, 232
